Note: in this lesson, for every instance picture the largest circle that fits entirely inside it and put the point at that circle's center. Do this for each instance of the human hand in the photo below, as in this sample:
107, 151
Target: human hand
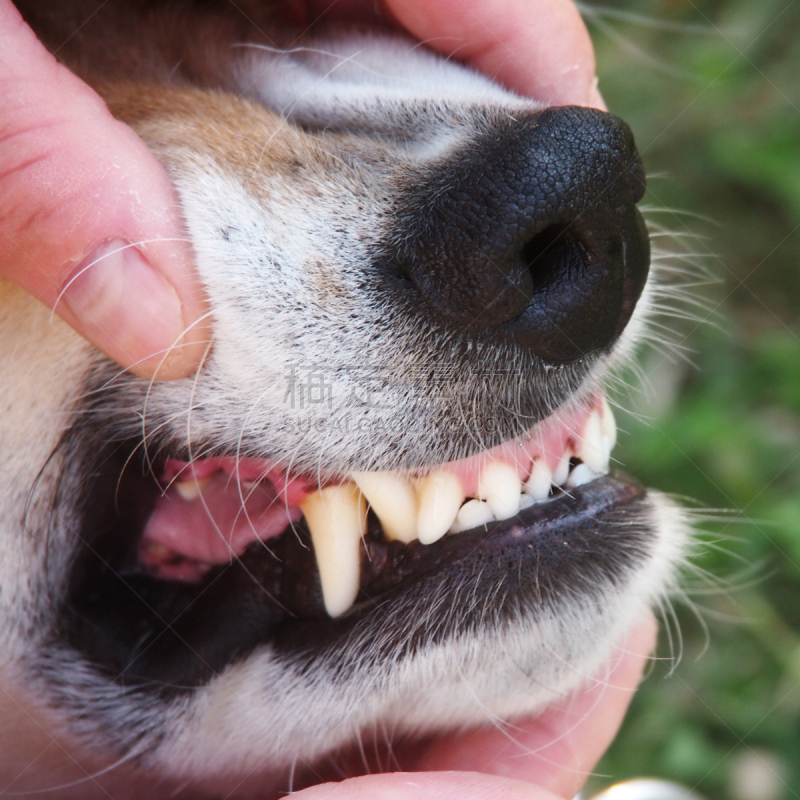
544, 758
89, 220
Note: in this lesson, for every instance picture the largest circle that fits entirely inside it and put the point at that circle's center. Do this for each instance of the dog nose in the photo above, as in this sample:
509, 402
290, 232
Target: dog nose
531, 234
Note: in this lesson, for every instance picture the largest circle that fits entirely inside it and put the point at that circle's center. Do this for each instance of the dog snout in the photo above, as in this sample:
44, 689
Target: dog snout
531, 234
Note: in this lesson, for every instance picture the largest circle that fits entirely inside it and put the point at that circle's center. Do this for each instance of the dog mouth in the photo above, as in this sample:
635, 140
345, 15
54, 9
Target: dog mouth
188, 564
211, 510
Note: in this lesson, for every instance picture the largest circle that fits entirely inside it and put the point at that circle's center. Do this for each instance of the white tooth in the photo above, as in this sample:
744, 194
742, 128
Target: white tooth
590, 450
562, 470
192, 489
393, 499
608, 424
607, 451
500, 487
472, 514
580, 475
440, 496
538, 484
526, 501
337, 519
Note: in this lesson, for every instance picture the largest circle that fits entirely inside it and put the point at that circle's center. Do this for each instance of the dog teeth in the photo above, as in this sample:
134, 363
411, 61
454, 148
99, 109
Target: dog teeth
394, 501
337, 519
608, 427
431, 506
591, 449
472, 514
440, 496
500, 487
192, 489
538, 484
561, 472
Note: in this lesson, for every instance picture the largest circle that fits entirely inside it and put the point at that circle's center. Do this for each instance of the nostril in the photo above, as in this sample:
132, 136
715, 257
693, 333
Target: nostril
530, 234
554, 252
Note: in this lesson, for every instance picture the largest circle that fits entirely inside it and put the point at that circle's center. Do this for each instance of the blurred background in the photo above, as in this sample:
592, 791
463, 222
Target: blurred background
712, 92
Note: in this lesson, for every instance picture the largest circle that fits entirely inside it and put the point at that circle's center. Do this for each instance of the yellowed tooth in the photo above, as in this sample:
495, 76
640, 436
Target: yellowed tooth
472, 514
393, 499
500, 487
337, 519
590, 450
608, 425
192, 489
439, 495
538, 484
562, 470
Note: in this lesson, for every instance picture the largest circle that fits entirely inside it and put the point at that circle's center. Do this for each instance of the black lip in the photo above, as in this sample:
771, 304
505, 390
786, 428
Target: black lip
172, 637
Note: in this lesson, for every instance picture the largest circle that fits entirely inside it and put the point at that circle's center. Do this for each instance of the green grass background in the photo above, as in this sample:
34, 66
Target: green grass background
712, 92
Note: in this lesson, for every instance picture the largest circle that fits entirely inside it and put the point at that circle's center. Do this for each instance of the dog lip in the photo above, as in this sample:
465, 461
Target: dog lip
388, 566
575, 540
391, 569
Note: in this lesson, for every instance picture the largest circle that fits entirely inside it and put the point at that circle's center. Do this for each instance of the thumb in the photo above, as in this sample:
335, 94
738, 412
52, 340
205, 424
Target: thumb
89, 221
427, 786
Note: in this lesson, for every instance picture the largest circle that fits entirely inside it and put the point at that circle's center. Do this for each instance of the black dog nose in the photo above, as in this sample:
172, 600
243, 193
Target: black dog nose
531, 233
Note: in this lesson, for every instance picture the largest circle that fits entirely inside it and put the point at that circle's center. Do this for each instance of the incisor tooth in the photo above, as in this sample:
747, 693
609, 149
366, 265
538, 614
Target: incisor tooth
440, 496
538, 484
190, 490
472, 514
562, 470
608, 425
581, 474
590, 450
500, 487
337, 519
393, 499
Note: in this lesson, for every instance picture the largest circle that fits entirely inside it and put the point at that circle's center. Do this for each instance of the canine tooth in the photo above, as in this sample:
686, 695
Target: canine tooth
500, 487
191, 489
561, 472
591, 447
337, 519
393, 499
440, 496
538, 484
608, 425
472, 514
581, 474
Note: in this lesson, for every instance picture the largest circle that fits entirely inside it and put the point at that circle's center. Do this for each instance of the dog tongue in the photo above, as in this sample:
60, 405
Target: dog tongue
212, 510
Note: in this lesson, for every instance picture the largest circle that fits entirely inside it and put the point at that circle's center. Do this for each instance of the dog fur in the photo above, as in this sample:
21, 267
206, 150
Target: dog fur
288, 155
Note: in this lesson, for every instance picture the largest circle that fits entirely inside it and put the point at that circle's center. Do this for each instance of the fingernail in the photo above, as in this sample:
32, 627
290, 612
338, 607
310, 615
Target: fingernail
123, 306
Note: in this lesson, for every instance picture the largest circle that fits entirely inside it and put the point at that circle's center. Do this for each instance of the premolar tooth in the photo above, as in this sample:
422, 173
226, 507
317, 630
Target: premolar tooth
608, 425
561, 472
192, 489
472, 514
439, 495
337, 519
582, 473
538, 484
500, 487
591, 446
394, 500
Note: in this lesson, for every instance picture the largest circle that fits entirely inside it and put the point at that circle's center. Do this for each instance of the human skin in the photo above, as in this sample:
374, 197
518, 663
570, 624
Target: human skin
89, 225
